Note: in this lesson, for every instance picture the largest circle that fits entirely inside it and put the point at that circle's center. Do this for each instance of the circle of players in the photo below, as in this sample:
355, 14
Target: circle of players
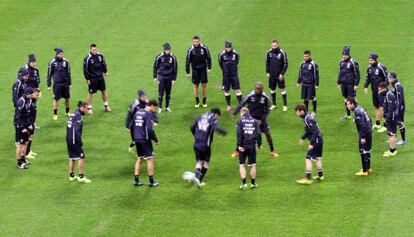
253, 108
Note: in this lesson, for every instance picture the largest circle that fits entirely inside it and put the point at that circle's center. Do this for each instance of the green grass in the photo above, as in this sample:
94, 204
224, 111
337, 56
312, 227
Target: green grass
41, 202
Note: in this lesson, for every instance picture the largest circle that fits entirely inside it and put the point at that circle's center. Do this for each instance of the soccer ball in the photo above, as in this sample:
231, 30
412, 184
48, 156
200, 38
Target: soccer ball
188, 176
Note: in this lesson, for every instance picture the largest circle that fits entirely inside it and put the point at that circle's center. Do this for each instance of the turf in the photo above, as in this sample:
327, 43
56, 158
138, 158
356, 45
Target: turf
41, 202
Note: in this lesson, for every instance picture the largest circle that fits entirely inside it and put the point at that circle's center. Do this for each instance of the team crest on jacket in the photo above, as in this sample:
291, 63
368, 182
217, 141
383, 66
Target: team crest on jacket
376, 72
64, 63
202, 51
262, 100
310, 67
234, 57
348, 66
252, 99
279, 56
170, 60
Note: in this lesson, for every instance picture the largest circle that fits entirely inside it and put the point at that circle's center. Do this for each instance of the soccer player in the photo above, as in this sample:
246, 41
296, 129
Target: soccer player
74, 143
143, 137
376, 73
315, 148
34, 77
20, 85
199, 58
229, 61
258, 104
364, 127
165, 72
59, 72
95, 72
32, 121
348, 78
276, 67
248, 133
203, 130
22, 123
390, 113
398, 91
309, 78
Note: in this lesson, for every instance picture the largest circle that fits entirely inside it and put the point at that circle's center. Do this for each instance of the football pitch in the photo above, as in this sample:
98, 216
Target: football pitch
40, 201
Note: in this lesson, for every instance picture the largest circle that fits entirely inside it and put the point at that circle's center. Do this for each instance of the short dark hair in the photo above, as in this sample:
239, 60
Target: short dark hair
93, 45
82, 103
275, 41
301, 107
153, 103
216, 111
351, 100
382, 85
308, 52
196, 37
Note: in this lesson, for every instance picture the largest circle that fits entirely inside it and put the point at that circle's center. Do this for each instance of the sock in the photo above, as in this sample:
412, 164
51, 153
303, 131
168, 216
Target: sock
253, 181
228, 99
368, 160
55, 111
243, 180
197, 100
20, 161
314, 104
203, 172
71, 174
23, 158
204, 100
81, 175
384, 124
284, 97
198, 173
137, 178
320, 173
348, 112
308, 174
239, 98
273, 93
151, 178
364, 163
377, 122
306, 102
393, 149
402, 131
160, 102
67, 109
270, 141
29, 147
106, 104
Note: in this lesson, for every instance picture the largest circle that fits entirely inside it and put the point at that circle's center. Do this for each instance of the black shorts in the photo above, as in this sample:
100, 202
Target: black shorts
199, 76
316, 152
144, 149
366, 147
264, 126
61, 91
348, 90
308, 92
202, 154
97, 84
22, 137
274, 82
232, 82
75, 151
249, 155
377, 99
392, 127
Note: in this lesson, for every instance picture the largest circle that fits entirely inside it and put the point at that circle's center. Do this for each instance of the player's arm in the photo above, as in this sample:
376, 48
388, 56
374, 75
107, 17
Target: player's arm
129, 116
237, 58
367, 80
104, 66
85, 68
155, 67
193, 126
37, 78
208, 59
69, 76
357, 75
316, 73
175, 68
220, 61
77, 123
338, 82
362, 124
285, 63
151, 132
267, 107
267, 62
19, 109
15, 97
50, 72
300, 74
240, 105
221, 131
188, 61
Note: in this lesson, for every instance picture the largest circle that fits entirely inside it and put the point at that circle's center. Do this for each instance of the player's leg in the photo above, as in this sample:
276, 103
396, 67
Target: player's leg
55, 109
137, 171
252, 165
197, 97
204, 81
204, 169
401, 127
392, 138
314, 100
227, 96
150, 167
235, 84
168, 87
272, 87
308, 169
242, 169
72, 176
319, 167
81, 166
161, 91
67, 106
89, 100
281, 84
104, 94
